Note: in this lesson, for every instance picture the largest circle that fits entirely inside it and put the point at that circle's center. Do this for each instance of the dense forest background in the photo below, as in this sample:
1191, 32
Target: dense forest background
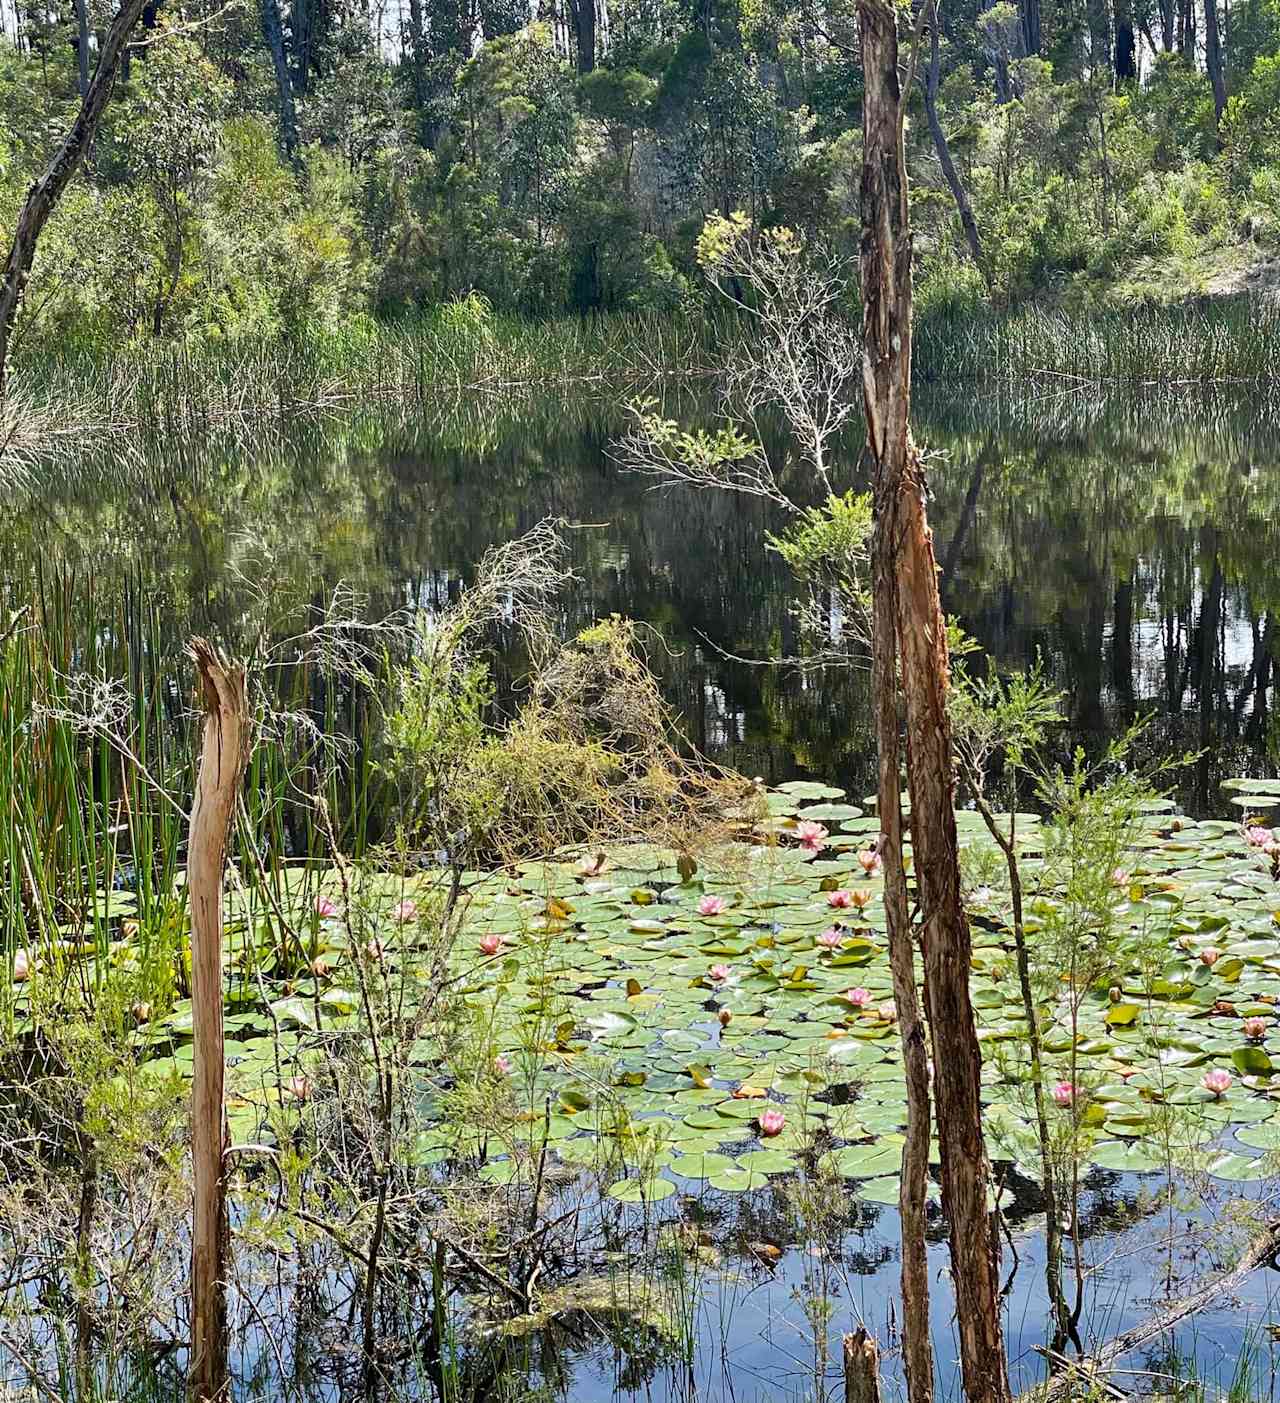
273, 167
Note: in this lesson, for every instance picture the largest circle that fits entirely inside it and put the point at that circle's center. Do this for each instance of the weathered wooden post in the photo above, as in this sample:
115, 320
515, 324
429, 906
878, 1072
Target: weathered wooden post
224, 751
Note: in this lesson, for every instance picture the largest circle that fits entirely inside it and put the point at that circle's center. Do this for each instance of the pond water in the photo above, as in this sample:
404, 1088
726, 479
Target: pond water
1133, 545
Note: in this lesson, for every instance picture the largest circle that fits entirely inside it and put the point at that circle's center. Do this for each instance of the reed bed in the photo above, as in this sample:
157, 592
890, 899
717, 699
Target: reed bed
97, 767
1212, 343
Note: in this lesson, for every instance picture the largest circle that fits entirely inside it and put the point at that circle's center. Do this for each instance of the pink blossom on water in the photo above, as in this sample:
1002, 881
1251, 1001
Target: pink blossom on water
1210, 956
1120, 877
325, 908
859, 998
771, 1122
405, 911
490, 944
502, 1065
1217, 1081
832, 938
1065, 1093
717, 974
812, 836
1255, 1028
1257, 836
712, 905
840, 899
869, 861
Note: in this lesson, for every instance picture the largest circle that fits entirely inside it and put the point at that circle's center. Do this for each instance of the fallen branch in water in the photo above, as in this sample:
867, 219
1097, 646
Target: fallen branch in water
1084, 1376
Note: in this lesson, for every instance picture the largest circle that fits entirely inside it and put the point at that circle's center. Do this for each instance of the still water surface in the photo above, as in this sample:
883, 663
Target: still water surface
1133, 546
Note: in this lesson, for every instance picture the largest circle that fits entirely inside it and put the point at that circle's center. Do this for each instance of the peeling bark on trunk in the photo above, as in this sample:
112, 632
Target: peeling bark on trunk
42, 199
905, 553
223, 753
861, 1368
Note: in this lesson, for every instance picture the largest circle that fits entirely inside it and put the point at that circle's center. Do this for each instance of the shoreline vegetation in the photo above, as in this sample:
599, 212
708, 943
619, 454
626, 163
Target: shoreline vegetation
67, 404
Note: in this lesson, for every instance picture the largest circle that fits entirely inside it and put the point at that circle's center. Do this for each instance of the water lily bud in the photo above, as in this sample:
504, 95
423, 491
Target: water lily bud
1114, 994
726, 1017
1255, 1028
1210, 955
771, 1122
142, 1012
320, 967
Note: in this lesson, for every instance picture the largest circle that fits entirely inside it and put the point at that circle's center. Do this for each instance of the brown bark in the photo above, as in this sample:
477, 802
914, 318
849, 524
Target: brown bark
861, 1368
904, 535
917, 1349
42, 199
224, 751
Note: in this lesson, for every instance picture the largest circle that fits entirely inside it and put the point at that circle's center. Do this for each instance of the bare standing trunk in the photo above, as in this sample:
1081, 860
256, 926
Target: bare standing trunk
951, 175
82, 46
1213, 59
224, 751
42, 199
903, 534
284, 79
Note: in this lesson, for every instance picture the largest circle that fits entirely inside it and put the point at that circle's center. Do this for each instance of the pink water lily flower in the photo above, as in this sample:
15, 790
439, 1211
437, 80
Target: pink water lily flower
21, 966
325, 908
502, 1065
870, 862
840, 899
712, 905
1255, 1028
405, 911
1257, 836
1217, 1081
859, 998
832, 938
812, 836
1065, 1093
771, 1122
1120, 877
1210, 956
717, 974
490, 944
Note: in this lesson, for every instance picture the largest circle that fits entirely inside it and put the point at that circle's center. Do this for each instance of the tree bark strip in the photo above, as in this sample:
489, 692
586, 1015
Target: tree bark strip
898, 478
42, 199
224, 752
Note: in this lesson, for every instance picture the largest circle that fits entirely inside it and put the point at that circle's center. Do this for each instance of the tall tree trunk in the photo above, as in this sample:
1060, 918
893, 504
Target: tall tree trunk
274, 32
42, 199
917, 1348
1213, 59
951, 175
1030, 16
584, 30
82, 46
224, 752
904, 535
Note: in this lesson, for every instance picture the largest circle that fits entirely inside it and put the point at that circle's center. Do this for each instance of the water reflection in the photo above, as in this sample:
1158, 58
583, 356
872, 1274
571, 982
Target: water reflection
1130, 544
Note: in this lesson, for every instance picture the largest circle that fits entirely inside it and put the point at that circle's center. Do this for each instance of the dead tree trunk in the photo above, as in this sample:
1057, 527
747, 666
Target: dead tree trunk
224, 751
42, 199
903, 532
861, 1368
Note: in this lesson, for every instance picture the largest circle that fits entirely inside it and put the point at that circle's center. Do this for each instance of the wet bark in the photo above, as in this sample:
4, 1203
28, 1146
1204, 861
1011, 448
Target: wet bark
223, 753
903, 537
42, 199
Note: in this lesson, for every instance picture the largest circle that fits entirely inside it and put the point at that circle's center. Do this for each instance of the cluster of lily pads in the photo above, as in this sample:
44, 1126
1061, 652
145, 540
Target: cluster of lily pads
721, 1024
